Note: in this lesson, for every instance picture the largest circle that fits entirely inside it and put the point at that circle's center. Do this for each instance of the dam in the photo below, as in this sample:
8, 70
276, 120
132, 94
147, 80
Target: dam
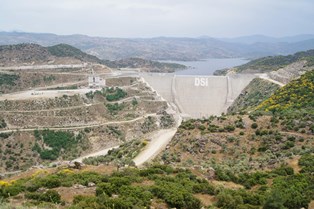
198, 96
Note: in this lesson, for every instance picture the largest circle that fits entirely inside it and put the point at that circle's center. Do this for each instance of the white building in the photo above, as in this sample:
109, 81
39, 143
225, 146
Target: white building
94, 81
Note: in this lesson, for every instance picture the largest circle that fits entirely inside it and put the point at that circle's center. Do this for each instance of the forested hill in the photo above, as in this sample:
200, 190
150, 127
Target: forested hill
273, 63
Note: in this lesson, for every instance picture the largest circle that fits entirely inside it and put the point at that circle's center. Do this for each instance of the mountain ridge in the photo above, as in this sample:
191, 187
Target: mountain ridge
161, 48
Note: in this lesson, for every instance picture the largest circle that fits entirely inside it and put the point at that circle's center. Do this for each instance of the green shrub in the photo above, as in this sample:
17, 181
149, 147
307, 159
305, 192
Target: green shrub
254, 125
307, 163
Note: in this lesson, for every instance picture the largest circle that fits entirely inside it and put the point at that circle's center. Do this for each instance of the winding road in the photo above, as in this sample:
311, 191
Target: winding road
158, 142
78, 127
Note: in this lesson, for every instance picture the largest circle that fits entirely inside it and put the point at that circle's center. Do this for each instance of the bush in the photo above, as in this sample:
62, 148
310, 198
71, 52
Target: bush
115, 94
228, 201
254, 125
229, 128
283, 171
307, 163
49, 196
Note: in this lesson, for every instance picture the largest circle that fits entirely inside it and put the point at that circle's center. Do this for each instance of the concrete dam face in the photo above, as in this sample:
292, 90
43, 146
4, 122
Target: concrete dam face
198, 96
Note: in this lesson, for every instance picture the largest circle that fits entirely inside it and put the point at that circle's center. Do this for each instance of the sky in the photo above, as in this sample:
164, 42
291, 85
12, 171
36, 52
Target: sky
154, 18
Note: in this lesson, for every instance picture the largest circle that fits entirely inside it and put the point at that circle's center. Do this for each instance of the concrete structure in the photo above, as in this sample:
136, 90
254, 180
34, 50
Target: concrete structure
198, 96
94, 81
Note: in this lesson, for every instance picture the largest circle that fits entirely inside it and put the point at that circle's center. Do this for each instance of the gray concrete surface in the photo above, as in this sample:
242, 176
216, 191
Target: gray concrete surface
198, 96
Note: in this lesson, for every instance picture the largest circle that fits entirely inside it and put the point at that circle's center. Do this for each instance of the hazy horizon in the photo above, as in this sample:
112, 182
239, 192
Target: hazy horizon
161, 36
152, 18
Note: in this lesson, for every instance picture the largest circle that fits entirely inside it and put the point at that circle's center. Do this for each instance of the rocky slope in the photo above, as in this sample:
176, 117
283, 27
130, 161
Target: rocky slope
256, 92
33, 54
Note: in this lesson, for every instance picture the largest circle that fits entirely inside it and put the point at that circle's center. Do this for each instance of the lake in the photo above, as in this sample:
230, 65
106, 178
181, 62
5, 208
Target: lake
208, 66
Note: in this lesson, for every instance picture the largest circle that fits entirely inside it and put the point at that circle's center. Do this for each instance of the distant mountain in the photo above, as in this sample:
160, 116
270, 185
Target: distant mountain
163, 48
34, 54
267, 39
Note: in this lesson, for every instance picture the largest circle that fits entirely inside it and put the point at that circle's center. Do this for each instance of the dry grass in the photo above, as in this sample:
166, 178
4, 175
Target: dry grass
207, 200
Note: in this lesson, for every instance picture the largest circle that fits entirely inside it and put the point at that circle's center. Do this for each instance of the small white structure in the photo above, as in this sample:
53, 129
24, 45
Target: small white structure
94, 81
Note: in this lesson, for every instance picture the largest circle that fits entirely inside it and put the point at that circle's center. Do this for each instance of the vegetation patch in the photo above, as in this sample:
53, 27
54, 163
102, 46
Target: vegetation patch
8, 79
121, 156
51, 144
256, 92
296, 95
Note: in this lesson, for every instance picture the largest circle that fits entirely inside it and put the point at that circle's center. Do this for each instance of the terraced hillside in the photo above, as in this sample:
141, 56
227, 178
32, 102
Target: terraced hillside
39, 131
21, 80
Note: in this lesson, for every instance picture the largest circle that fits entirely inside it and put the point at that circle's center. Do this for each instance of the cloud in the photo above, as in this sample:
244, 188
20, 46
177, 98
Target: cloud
147, 18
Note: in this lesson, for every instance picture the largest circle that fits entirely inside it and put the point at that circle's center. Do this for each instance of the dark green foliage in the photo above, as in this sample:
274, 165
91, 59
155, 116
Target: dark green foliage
295, 191
307, 163
114, 108
49, 196
121, 156
246, 179
36, 148
3, 124
228, 201
134, 102
8, 79
90, 95
115, 94
229, 128
64, 50
56, 140
176, 195
283, 171
5, 135
274, 201
176, 187
254, 125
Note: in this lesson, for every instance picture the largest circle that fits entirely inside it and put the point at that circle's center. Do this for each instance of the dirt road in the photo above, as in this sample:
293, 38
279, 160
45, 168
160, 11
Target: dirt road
266, 77
79, 127
95, 154
158, 142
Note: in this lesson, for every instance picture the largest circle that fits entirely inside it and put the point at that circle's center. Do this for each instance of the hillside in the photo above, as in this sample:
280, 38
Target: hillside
42, 130
162, 48
260, 155
64, 50
63, 54
246, 149
33, 54
273, 63
256, 92
145, 65
296, 95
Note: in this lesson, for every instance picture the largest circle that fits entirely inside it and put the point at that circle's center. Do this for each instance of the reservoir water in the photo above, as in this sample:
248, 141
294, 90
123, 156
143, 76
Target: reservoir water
208, 66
